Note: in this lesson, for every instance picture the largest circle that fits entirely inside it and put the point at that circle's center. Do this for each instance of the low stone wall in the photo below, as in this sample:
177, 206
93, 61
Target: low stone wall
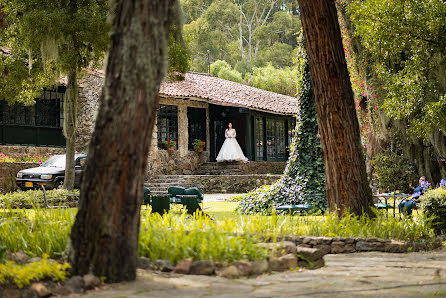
337, 245
231, 183
8, 172
163, 162
17, 150
264, 167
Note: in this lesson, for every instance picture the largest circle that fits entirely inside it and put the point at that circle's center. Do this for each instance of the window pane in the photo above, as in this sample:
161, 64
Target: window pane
167, 124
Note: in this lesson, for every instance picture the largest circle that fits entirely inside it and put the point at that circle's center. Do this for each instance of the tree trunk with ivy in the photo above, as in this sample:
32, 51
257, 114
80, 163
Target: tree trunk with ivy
303, 181
104, 236
69, 129
345, 173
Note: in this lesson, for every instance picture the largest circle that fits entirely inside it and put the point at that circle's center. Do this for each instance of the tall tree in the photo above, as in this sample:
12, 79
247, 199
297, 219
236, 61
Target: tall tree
345, 173
105, 234
68, 35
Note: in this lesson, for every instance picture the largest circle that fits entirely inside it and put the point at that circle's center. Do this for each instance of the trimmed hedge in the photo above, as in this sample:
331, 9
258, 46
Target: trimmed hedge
433, 204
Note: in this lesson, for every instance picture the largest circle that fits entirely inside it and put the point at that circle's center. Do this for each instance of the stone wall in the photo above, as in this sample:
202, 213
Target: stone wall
90, 89
19, 150
181, 161
264, 167
336, 245
231, 183
8, 172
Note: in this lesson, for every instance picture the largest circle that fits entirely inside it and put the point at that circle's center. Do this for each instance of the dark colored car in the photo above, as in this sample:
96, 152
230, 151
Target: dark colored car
51, 173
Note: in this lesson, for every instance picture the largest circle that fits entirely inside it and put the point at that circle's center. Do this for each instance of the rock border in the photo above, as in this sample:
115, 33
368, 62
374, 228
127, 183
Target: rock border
337, 245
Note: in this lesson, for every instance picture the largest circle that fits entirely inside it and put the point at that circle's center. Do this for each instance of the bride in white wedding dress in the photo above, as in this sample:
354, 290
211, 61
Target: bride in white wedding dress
231, 151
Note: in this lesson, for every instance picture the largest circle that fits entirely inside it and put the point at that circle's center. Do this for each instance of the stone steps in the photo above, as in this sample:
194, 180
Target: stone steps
211, 183
214, 168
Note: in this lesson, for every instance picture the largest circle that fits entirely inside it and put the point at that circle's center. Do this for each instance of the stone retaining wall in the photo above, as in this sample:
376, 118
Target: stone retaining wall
264, 167
17, 150
8, 172
231, 183
336, 245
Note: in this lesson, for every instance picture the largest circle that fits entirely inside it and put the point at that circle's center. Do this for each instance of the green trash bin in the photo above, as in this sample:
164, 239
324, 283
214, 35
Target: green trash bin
146, 196
160, 203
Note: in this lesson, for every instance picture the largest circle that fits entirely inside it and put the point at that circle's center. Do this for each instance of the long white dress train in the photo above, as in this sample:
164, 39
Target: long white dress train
231, 151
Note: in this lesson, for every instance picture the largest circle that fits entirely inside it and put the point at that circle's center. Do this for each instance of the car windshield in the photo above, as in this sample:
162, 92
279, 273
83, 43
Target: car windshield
57, 161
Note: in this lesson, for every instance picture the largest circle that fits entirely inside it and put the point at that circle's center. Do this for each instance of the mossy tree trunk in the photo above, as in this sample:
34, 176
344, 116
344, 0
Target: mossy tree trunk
345, 173
105, 234
70, 119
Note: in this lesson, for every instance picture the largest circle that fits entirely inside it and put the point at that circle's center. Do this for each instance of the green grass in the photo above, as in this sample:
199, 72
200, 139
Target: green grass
175, 236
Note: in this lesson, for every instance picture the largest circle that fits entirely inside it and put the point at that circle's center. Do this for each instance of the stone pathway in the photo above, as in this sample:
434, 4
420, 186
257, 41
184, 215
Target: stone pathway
345, 275
218, 197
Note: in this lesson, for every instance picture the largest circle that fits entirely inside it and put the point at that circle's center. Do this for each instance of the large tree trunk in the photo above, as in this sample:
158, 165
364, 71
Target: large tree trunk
70, 117
105, 234
346, 178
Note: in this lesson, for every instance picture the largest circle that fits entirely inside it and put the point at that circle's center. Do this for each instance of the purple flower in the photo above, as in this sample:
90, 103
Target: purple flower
443, 183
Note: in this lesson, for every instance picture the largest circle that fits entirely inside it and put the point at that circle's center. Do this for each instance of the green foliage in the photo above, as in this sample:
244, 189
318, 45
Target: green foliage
22, 275
240, 30
303, 181
175, 238
279, 55
407, 41
36, 231
279, 80
244, 67
230, 75
223, 70
34, 198
393, 171
227, 238
23, 158
433, 204
53, 37
218, 66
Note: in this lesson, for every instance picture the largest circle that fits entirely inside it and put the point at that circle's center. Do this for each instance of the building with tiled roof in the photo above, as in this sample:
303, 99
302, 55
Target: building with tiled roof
204, 87
197, 108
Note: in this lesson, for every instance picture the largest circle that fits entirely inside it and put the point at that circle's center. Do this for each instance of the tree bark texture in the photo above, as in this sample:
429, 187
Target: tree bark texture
105, 234
345, 172
70, 119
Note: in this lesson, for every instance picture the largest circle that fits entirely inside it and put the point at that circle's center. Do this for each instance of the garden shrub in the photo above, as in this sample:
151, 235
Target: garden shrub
303, 181
218, 66
393, 172
22, 275
433, 204
34, 198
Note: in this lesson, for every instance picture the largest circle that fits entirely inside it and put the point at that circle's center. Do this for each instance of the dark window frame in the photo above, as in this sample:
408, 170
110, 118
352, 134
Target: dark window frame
167, 125
197, 127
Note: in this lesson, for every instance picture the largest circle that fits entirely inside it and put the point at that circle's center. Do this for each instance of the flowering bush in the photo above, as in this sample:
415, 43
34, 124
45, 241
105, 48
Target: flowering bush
169, 143
198, 144
23, 158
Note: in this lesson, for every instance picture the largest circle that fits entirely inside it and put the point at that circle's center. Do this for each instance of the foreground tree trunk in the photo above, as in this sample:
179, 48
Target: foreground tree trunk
104, 236
345, 173
70, 117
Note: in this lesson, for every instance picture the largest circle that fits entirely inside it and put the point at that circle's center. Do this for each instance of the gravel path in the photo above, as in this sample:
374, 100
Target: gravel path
346, 275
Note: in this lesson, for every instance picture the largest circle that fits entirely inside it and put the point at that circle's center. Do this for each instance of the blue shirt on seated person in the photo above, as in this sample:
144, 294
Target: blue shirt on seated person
408, 205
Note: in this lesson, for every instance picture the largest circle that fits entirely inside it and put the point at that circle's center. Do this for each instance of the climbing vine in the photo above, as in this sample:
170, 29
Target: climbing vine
303, 181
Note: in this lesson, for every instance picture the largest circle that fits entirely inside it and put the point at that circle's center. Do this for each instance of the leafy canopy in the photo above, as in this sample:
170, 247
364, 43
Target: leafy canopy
407, 41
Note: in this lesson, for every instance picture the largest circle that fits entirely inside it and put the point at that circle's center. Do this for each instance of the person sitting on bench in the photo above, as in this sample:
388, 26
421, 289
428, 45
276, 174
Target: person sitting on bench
411, 202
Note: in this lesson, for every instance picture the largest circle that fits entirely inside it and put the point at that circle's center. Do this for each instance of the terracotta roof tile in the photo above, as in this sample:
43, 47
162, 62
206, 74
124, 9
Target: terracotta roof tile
222, 92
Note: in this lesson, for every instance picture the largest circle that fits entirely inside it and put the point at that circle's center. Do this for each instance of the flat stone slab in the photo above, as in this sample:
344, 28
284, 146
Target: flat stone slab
369, 274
